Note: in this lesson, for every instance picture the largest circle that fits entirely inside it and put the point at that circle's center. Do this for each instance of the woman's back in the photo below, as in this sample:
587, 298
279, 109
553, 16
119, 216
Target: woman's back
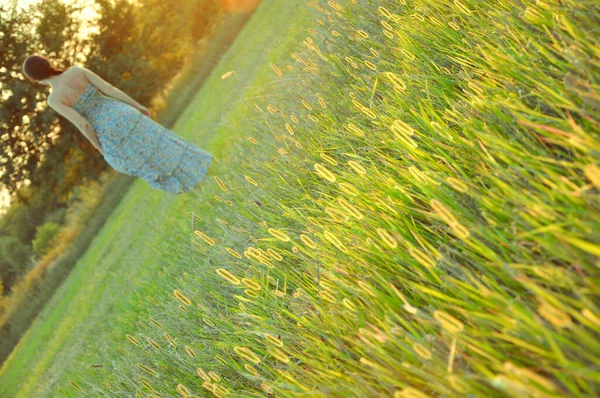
70, 86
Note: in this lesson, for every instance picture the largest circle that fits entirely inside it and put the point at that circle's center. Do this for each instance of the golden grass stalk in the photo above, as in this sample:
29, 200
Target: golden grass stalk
228, 276
247, 354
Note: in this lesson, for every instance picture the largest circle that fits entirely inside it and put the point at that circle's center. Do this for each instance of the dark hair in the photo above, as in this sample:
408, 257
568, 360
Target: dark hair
38, 68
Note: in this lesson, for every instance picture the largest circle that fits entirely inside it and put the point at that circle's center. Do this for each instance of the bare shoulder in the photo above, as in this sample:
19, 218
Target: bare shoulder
76, 70
80, 70
71, 85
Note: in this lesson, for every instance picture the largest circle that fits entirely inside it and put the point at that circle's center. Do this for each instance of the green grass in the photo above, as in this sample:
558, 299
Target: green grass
84, 310
409, 209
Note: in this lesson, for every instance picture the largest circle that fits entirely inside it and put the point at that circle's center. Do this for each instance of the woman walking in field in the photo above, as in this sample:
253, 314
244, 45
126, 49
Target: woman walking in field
120, 128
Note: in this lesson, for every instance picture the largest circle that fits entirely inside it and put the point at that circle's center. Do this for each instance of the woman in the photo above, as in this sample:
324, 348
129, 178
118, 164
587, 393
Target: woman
120, 128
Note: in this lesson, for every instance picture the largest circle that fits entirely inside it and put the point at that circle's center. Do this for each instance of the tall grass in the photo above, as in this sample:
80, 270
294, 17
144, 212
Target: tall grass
413, 211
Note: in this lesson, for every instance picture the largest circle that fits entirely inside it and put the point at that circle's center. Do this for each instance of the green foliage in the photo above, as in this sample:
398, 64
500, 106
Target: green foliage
57, 216
46, 29
15, 253
141, 46
20, 224
6, 274
44, 237
21, 220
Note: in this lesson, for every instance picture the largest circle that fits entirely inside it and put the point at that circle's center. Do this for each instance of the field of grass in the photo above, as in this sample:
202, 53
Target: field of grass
404, 202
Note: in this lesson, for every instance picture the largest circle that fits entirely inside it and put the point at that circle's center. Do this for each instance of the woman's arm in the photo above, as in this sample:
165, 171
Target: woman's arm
90, 134
108, 88
79, 121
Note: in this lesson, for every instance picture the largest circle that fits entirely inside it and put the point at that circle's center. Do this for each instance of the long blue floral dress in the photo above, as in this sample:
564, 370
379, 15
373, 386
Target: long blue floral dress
135, 144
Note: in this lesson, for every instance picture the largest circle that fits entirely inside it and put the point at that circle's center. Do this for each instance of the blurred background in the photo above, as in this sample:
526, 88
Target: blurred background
56, 190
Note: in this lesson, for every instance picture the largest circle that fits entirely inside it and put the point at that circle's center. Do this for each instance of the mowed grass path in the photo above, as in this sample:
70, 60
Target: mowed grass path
91, 309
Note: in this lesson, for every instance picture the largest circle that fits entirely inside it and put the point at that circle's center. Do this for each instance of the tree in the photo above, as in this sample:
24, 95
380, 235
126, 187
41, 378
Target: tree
165, 31
140, 46
44, 237
116, 52
17, 159
29, 129
205, 15
6, 273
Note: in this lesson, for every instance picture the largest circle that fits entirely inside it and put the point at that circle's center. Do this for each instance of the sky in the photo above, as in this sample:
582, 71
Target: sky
87, 14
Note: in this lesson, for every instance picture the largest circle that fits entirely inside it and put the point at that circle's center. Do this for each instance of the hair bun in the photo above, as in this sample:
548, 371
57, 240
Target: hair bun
38, 68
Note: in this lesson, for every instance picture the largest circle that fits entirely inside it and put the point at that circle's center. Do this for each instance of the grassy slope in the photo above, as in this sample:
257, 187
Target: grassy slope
102, 281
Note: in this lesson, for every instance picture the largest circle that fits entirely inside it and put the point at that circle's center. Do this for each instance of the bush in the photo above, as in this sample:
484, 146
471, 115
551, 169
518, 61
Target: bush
57, 216
7, 275
20, 221
44, 237
15, 253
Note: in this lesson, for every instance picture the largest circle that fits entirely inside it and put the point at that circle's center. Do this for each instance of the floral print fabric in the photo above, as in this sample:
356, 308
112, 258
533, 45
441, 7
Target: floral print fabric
135, 144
